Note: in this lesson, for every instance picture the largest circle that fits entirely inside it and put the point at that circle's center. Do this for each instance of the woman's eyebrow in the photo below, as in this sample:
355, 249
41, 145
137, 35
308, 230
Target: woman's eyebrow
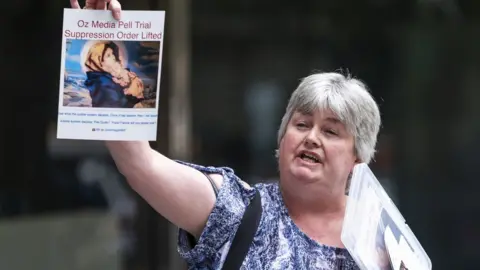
333, 120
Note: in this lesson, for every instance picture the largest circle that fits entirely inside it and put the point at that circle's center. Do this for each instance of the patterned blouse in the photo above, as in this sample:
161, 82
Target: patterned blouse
278, 242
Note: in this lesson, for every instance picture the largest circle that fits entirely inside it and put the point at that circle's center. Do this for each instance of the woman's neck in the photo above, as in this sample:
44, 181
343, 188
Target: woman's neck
313, 201
318, 216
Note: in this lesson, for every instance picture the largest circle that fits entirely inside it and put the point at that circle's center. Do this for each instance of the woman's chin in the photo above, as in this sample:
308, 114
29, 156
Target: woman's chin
305, 174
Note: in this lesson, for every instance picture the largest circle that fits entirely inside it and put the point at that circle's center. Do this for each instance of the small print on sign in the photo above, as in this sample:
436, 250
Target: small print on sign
110, 75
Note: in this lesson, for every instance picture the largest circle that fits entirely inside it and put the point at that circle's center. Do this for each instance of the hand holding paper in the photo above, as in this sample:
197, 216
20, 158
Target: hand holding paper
113, 5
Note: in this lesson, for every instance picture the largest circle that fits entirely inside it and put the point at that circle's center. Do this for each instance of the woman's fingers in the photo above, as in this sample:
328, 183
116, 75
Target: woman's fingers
74, 4
115, 7
101, 4
92, 4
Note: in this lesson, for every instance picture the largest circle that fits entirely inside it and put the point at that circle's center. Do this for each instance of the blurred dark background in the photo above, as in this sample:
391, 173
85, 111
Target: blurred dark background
231, 66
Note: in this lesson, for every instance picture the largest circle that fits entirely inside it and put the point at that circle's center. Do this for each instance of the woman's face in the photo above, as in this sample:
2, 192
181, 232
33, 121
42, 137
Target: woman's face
317, 149
109, 61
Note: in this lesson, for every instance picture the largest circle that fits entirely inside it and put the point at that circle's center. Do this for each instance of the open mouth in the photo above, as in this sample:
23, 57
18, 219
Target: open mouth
310, 157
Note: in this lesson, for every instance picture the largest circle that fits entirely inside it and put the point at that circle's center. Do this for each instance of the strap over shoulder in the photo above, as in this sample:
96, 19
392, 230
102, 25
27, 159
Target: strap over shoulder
245, 233
244, 236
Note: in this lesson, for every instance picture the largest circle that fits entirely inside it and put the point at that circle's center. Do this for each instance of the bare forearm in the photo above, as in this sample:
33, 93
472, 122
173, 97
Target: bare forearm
130, 156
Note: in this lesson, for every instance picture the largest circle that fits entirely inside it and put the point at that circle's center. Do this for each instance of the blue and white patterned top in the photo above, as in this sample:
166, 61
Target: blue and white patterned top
278, 242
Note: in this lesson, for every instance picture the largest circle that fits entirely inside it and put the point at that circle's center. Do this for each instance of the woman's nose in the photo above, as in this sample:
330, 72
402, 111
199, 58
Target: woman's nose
312, 139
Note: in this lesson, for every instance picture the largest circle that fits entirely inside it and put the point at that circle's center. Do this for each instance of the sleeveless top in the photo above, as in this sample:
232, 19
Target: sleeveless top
278, 242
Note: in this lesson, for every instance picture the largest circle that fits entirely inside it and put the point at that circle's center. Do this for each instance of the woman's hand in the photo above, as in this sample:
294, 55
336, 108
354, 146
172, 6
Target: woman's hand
112, 5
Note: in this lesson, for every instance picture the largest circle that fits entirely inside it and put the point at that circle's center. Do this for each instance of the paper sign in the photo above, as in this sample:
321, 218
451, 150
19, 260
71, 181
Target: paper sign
374, 231
110, 75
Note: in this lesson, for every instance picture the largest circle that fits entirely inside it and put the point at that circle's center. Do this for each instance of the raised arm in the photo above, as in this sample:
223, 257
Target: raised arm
181, 194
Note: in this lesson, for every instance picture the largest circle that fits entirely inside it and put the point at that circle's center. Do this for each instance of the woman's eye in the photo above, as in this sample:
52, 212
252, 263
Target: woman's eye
301, 125
331, 131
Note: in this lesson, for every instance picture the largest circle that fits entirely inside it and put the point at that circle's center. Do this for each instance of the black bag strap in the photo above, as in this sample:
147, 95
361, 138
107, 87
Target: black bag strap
245, 233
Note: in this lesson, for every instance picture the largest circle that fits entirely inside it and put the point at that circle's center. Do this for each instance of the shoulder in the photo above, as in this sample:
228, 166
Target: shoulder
228, 183
271, 197
234, 195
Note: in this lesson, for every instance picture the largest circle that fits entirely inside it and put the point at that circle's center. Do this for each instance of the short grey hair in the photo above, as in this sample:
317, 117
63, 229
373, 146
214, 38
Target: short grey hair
346, 97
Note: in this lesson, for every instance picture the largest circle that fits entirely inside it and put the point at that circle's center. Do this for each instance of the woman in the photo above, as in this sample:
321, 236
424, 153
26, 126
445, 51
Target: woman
109, 83
331, 124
